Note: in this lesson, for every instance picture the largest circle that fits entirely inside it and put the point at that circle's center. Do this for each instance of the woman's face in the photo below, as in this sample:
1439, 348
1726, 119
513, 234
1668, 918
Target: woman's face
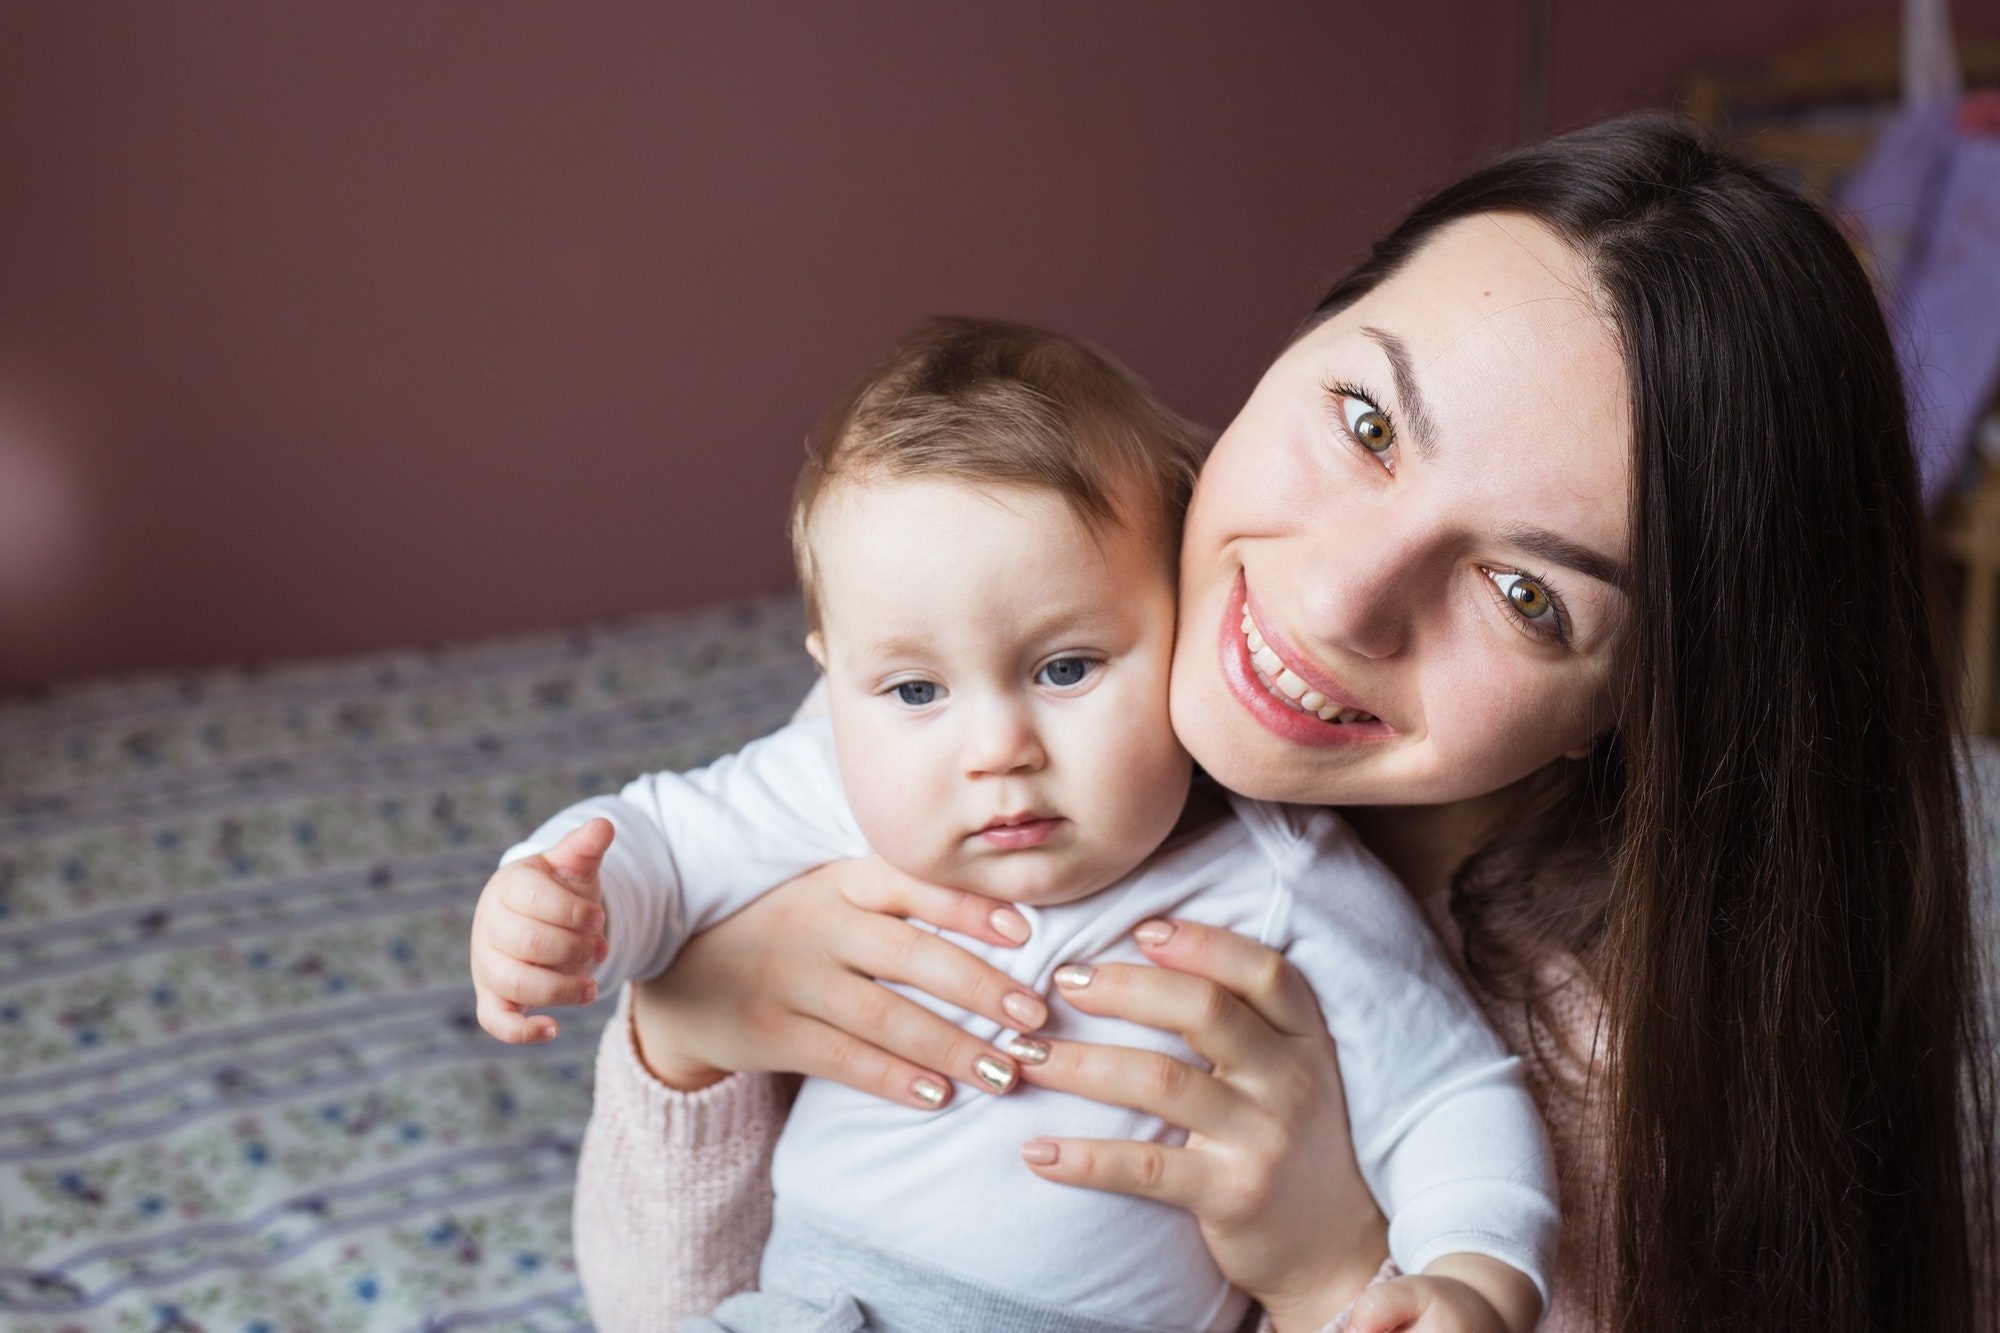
1402, 576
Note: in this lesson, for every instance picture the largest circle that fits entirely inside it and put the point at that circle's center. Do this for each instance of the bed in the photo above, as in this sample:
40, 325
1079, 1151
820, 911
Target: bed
241, 1087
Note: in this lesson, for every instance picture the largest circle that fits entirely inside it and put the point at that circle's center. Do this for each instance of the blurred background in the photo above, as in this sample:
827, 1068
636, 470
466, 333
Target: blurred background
399, 404
334, 327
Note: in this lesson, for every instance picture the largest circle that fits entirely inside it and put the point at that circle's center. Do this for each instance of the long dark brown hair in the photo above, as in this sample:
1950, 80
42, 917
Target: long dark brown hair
1763, 868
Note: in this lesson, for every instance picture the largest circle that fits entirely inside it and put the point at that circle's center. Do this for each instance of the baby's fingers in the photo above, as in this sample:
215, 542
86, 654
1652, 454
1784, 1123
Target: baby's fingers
1388, 1306
535, 893
504, 1019
537, 942
533, 987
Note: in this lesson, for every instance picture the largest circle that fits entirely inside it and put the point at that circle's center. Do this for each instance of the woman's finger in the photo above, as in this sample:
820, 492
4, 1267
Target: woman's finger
891, 950
880, 887
1175, 1176
1256, 972
874, 1013
1222, 1029
1147, 1081
824, 1051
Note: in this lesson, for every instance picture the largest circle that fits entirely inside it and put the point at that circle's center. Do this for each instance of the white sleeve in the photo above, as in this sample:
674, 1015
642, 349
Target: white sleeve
692, 848
1445, 1129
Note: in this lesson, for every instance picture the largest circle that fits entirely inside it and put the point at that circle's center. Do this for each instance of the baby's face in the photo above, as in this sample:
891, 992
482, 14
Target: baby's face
998, 685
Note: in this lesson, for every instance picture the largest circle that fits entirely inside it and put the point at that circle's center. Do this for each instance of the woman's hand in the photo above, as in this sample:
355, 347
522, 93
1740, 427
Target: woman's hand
789, 983
1268, 1169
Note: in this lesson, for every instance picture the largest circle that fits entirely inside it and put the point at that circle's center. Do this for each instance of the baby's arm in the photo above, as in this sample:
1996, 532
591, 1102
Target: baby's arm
1459, 1293
689, 849
1445, 1130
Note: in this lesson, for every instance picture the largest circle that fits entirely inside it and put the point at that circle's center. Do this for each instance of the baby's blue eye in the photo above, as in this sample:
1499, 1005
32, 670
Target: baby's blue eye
1065, 672
917, 693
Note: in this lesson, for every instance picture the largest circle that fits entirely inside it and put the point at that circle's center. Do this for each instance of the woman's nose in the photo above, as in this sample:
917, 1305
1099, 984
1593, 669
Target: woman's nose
1003, 739
1362, 596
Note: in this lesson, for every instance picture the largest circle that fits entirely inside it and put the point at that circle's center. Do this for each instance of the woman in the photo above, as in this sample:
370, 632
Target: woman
1593, 483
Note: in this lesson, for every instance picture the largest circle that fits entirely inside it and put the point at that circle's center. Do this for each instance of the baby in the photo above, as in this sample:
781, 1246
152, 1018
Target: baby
986, 531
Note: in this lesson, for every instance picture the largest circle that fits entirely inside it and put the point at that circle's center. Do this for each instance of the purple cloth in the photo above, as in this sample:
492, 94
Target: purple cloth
1927, 201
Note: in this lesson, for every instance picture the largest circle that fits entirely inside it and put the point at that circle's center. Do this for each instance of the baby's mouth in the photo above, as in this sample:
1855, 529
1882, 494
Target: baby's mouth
1012, 832
1287, 686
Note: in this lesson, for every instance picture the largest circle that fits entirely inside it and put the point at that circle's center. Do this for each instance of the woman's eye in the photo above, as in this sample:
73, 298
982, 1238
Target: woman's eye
1531, 600
917, 693
1064, 672
1368, 426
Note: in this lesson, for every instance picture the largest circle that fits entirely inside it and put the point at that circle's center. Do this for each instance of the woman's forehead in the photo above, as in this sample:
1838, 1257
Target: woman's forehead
1495, 331
1499, 294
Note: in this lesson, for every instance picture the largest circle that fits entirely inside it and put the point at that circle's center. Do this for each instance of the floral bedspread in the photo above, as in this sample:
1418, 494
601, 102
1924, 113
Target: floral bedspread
241, 1087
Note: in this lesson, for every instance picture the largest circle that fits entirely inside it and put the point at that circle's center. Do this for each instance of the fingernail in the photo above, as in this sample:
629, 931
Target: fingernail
1025, 1009
594, 920
1039, 1151
994, 1072
929, 1091
589, 992
1075, 976
1027, 1050
1153, 932
1009, 925
603, 948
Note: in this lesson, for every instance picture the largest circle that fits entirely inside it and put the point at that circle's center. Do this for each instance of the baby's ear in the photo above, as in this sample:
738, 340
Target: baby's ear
816, 649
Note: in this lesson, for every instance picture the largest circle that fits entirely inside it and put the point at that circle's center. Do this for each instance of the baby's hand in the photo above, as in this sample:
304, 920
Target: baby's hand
538, 931
1460, 1293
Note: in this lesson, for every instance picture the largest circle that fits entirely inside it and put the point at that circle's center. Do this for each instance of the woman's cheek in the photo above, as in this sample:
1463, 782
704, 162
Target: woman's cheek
1492, 718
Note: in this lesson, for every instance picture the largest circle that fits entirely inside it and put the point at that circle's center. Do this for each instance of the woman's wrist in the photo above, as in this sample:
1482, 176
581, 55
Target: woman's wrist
1313, 1305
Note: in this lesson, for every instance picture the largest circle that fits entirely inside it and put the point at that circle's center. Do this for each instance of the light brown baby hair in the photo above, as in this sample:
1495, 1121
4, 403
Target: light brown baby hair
1005, 404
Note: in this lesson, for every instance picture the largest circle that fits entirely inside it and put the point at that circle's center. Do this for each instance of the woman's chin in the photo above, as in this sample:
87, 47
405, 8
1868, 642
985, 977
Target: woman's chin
1234, 750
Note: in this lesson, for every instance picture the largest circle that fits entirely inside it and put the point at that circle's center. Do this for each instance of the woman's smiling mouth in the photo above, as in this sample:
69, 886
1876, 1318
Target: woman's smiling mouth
1297, 705
1286, 685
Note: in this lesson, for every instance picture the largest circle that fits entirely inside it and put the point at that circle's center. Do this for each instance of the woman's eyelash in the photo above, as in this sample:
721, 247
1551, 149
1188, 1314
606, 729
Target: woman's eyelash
1339, 389
1561, 632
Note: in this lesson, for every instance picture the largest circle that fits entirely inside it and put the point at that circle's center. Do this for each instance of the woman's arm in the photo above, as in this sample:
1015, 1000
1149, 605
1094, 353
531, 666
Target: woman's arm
673, 1189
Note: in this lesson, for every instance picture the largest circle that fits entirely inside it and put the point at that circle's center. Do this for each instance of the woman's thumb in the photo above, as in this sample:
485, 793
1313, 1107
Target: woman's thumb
574, 860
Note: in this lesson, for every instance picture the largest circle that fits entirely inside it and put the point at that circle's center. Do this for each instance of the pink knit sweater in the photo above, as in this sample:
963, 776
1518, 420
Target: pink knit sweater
673, 1194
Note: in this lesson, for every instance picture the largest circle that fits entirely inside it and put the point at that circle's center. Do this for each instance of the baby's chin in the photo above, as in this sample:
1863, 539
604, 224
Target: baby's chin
1029, 878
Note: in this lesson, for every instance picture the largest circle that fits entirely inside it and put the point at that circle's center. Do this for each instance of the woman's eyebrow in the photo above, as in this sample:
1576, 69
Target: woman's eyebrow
1560, 550
1414, 407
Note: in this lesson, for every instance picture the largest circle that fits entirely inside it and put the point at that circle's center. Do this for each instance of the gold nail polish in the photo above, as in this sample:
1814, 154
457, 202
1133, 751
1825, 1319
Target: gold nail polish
995, 1073
929, 1092
1027, 1050
1024, 1009
1075, 976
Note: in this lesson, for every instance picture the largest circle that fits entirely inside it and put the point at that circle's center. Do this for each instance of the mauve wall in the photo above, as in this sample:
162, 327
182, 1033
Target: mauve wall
325, 327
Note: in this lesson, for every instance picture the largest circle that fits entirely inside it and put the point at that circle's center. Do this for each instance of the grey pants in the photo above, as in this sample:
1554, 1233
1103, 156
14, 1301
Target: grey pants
815, 1280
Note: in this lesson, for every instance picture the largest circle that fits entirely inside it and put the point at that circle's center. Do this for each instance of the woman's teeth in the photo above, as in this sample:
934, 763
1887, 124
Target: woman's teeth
1284, 685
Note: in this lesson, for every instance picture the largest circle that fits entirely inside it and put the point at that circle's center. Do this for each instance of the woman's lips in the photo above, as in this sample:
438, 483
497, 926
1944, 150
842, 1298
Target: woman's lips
1013, 835
1282, 717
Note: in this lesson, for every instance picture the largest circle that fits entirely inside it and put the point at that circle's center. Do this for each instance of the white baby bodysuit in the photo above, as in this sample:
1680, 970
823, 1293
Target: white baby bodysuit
1444, 1129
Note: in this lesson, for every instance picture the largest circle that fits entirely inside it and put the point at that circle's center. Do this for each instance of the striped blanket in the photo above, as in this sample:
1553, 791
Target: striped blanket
241, 1087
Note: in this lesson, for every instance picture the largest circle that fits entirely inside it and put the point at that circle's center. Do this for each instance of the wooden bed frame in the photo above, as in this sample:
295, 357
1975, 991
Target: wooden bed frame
1858, 70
